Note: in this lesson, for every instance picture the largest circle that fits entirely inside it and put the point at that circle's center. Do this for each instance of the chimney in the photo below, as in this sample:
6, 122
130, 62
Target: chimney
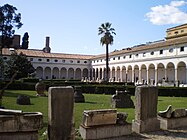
47, 49
47, 41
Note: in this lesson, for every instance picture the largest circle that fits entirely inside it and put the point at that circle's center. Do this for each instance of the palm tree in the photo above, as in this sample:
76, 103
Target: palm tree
107, 39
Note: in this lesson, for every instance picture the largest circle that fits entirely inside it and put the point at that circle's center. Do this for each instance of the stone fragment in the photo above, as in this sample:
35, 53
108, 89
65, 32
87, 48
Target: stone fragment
60, 113
177, 113
23, 100
166, 113
121, 118
99, 117
146, 98
78, 96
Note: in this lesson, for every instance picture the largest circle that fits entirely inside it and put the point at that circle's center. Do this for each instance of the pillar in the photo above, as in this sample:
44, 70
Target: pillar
147, 76
60, 113
132, 75
140, 76
156, 77
146, 99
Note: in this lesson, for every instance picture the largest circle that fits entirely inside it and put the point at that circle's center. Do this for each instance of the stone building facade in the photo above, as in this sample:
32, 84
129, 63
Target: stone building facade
163, 61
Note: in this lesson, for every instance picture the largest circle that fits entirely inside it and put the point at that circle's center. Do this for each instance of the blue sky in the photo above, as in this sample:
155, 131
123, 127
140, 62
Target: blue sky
73, 24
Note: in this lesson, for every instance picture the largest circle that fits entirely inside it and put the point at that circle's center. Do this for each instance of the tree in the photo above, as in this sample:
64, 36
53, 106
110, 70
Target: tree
15, 68
9, 21
18, 64
107, 39
25, 41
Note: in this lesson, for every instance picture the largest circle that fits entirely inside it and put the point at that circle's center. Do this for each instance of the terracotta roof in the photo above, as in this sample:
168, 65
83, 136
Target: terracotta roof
40, 53
162, 44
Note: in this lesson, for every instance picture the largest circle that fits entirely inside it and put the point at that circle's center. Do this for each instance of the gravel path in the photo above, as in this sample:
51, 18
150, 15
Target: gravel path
177, 134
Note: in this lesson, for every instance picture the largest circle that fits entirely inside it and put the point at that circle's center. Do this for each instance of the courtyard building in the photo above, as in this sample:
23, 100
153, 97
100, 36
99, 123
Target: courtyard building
162, 62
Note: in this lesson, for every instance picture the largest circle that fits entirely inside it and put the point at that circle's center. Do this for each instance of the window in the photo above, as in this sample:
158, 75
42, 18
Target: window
56, 60
97, 60
5, 58
182, 31
63, 61
71, 61
152, 53
118, 57
161, 51
48, 60
78, 61
171, 50
94, 61
144, 54
85, 62
130, 56
176, 32
101, 60
124, 57
136, 55
113, 58
39, 59
182, 49
31, 59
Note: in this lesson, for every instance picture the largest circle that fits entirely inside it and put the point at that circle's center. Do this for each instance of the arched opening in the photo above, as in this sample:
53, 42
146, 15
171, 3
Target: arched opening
136, 73
55, 74
63, 73
144, 74
78, 74
85, 73
129, 74
118, 74
151, 73
160, 72
170, 77
181, 72
39, 72
123, 74
70, 73
47, 73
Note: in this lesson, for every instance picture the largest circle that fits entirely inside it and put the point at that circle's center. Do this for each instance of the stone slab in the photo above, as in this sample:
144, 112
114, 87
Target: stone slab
172, 123
19, 136
21, 122
149, 125
105, 131
177, 113
99, 117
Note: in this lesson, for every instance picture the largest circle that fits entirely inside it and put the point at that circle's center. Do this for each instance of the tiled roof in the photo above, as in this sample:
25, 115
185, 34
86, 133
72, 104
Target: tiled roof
162, 44
40, 53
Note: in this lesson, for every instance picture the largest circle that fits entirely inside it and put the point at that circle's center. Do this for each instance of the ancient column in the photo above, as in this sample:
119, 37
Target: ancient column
146, 109
60, 113
156, 77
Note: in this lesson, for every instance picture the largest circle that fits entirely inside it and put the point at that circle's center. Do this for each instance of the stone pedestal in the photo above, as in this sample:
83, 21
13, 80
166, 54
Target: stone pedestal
122, 100
110, 132
146, 109
78, 96
172, 123
18, 125
99, 117
60, 113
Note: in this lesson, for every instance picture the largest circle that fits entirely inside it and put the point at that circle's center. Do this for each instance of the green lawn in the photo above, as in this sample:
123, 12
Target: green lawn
93, 101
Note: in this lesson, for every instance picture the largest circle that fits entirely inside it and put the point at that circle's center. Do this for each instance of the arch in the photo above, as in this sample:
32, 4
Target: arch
170, 71
160, 72
100, 73
39, 72
136, 73
143, 73
118, 73
63, 73
94, 76
129, 73
113, 74
123, 74
85, 72
97, 74
70, 73
181, 72
78, 74
47, 73
55, 73
151, 74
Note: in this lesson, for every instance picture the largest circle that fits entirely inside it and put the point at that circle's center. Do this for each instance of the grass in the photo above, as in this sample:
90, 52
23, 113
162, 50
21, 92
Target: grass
93, 101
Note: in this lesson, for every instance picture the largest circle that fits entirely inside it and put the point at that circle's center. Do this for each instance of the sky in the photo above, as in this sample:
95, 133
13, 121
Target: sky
72, 25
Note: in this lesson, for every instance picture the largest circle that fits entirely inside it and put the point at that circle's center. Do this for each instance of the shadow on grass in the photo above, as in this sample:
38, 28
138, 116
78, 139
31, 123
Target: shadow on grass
11, 94
90, 102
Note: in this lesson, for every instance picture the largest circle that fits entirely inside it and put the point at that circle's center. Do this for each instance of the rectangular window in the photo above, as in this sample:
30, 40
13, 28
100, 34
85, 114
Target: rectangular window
130, 56
118, 57
161, 51
182, 49
144, 54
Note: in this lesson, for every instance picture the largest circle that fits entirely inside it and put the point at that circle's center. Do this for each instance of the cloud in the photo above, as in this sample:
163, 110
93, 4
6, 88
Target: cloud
168, 14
